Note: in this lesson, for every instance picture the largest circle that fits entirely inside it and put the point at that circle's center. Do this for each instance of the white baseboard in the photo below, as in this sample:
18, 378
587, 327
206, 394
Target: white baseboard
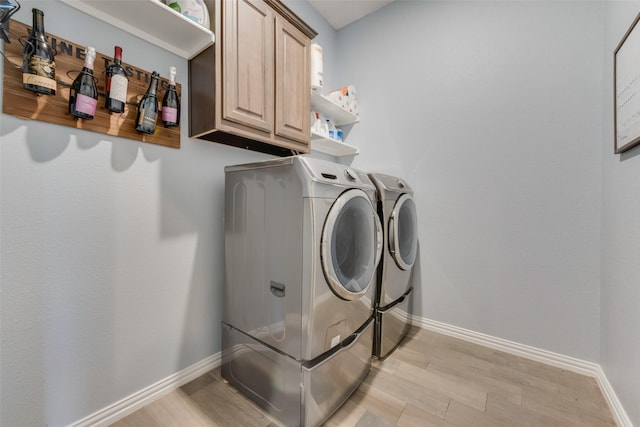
126, 406
554, 359
619, 414
132, 403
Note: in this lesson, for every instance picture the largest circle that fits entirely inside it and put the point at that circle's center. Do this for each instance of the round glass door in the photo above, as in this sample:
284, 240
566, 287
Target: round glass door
403, 232
351, 245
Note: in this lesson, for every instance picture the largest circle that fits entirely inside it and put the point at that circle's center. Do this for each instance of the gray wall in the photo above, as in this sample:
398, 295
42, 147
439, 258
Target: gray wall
111, 250
492, 111
326, 38
620, 237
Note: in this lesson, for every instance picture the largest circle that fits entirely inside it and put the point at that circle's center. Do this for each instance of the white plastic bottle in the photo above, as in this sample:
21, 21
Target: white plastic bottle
324, 131
316, 67
333, 132
316, 123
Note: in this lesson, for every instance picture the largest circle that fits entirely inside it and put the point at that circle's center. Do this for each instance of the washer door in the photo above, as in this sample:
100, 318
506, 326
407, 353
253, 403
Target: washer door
351, 245
403, 232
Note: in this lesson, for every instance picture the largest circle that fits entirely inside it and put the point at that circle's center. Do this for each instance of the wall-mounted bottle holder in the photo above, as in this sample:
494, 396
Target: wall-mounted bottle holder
54, 109
7, 8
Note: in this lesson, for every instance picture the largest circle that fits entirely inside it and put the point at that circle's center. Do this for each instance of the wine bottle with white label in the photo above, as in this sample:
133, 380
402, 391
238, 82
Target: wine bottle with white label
170, 102
148, 107
117, 84
83, 95
38, 65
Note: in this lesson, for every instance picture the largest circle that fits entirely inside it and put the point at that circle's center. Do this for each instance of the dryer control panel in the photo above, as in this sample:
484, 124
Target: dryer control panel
389, 187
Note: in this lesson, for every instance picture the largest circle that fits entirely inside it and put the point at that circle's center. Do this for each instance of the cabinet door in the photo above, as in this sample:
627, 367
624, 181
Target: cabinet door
248, 63
293, 96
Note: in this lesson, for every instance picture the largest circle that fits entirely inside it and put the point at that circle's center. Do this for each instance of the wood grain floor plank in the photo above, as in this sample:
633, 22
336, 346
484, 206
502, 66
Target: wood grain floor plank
451, 385
175, 409
413, 416
427, 398
368, 399
584, 393
228, 408
405, 354
516, 415
468, 375
565, 410
199, 383
369, 419
429, 380
378, 401
347, 416
373, 401
463, 415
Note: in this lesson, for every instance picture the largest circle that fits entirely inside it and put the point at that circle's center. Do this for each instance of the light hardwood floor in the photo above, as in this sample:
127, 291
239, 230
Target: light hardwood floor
430, 380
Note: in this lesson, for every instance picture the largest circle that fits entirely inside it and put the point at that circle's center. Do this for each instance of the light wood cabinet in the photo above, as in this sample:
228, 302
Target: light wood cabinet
252, 88
293, 82
248, 63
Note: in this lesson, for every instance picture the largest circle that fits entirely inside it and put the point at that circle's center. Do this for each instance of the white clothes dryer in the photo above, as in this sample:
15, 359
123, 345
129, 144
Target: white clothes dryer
397, 211
302, 245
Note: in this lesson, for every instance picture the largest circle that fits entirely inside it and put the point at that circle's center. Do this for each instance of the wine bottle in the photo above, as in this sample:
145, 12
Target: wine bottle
148, 107
117, 84
170, 102
83, 95
38, 65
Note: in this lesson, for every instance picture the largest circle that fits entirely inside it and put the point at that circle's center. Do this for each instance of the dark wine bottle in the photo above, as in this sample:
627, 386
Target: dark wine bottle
83, 95
38, 65
148, 107
117, 84
170, 102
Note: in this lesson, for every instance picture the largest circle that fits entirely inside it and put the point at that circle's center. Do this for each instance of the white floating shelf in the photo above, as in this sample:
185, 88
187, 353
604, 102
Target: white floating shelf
152, 21
328, 108
331, 146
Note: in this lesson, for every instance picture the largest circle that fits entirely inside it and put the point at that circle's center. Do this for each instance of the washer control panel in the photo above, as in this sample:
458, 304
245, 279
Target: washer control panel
351, 175
338, 174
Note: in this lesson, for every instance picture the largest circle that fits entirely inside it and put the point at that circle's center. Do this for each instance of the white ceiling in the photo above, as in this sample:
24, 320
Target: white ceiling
340, 13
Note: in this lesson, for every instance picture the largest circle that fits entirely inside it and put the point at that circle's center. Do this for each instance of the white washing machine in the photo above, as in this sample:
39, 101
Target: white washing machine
302, 245
397, 212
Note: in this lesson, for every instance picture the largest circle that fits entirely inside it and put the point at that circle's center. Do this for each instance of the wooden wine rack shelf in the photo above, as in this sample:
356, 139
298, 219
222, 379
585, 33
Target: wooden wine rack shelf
69, 60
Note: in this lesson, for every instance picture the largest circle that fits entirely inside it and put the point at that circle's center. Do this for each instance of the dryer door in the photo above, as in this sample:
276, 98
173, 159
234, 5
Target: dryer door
351, 245
403, 232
